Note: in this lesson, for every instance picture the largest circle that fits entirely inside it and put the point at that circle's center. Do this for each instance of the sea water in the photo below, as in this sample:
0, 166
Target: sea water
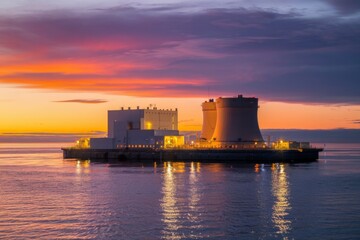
43, 196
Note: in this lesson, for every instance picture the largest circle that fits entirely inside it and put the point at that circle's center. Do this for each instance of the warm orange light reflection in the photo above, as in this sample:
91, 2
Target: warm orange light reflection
181, 199
281, 207
257, 168
175, 167
194, 197
216, 167
169, 204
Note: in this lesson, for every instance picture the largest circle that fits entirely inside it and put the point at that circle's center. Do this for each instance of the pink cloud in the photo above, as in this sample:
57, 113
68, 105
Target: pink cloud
169, 53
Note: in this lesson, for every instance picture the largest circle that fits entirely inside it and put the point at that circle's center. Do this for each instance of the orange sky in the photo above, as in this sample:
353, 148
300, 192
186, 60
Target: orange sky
34, 110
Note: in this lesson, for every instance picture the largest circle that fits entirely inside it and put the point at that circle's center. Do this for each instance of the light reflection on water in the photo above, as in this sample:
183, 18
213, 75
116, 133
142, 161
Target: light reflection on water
281, 207
172, 216
82, 167
45, 197
169, 204
195, 195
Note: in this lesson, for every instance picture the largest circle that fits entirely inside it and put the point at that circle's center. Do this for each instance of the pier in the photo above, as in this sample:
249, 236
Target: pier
198, 155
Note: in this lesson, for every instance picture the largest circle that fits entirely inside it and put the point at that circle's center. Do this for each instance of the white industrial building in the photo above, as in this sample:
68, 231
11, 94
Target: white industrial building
140, 128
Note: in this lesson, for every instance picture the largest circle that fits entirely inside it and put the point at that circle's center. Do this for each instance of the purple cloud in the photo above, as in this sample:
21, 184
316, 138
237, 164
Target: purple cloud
141, 52
346, 6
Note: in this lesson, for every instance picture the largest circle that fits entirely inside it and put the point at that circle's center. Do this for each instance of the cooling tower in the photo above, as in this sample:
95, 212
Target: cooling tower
236, 120
209, 119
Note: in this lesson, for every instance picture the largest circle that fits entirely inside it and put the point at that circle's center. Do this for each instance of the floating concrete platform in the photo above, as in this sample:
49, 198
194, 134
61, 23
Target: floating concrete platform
196, 155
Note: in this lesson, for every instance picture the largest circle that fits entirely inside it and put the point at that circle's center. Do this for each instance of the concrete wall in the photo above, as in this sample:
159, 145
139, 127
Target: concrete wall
149, 137
123, 119
255, 156
160, 119
102, 143
141, 137
166, 132
209, 119
237, 120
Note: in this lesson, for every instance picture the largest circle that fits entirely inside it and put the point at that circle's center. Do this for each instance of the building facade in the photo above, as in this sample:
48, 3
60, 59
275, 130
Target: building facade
140, 128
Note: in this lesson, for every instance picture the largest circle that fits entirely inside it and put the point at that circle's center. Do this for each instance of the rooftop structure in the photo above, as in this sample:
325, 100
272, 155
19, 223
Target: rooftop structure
141, 119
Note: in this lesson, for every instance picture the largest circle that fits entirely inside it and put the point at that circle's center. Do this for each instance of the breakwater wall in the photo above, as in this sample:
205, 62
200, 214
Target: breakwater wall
199, 155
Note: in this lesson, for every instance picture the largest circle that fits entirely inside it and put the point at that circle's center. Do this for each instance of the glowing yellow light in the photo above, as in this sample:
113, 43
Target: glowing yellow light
83, 143
148, 125
173, 141
257, 168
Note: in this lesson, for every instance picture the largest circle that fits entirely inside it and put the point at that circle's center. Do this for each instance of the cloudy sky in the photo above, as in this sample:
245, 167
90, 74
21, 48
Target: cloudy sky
63, 64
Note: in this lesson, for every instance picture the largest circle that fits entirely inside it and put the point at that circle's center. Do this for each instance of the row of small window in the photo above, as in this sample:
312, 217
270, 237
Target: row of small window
136, 146
233, 146
241, 146
161, 113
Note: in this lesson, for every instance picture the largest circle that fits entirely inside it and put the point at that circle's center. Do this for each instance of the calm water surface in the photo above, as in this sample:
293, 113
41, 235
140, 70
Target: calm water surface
43, 196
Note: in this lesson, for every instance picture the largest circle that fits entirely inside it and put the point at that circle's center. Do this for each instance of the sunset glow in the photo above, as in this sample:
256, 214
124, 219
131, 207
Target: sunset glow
55, 58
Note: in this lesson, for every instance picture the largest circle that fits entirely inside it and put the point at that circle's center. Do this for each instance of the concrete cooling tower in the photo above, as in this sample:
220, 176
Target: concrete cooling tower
236, 121
209, 119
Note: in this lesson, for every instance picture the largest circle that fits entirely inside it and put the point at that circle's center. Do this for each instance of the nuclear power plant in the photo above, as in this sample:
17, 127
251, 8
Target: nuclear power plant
228, 122
231, 122
230, 130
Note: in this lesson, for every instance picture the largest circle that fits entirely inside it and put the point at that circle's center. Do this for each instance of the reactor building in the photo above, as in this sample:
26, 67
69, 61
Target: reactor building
231, 122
